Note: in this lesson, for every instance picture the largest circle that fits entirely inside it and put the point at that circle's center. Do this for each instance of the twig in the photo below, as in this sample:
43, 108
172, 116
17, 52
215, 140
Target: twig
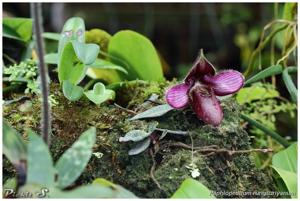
36, 13
125, 109
152, 170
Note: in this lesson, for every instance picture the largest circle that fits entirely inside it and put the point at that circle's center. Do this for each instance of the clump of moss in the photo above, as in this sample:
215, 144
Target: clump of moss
219, 172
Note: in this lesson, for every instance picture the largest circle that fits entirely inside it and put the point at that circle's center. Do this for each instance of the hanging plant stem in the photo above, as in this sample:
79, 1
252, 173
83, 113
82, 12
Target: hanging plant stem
36, 13
266, 130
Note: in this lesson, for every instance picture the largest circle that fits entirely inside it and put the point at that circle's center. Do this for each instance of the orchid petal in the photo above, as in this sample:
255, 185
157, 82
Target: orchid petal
225, 82
205, 104
200, 68
177, 96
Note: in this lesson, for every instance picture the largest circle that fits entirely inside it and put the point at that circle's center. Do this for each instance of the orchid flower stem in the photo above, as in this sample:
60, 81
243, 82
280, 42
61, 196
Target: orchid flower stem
269, 132
36, 13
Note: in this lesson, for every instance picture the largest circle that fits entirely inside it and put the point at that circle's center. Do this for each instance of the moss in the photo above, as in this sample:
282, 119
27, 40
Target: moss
219, 172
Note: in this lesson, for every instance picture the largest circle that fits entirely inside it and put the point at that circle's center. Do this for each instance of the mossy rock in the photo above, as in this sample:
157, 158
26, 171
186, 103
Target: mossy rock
219, 172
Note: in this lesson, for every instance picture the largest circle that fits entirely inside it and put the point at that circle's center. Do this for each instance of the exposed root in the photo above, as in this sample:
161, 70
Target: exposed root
153, 169
213, 149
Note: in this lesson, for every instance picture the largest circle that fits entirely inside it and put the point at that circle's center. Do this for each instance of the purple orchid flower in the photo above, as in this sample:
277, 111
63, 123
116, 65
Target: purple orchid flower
200, 88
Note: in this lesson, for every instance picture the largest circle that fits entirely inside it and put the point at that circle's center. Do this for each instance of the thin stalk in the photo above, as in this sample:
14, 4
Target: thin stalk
273, 44
269, 132
36, 13
261, 46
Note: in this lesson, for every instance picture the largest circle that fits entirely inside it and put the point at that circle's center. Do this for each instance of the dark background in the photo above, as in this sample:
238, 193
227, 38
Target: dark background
178, 30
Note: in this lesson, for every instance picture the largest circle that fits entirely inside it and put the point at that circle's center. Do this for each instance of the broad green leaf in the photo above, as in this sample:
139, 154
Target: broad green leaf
140, 147
71, 164
77, 74
139, 54
255, 92
21, 26
272, 70
51, 36
14, 148
71, 91
289, 82
10, 33
51, 58
103, 64
73, 30
40, 168
99, 94
156, 111
91, 191
134, 135
285, 164
191, 188
289, 10
286, 159
290, 180
86, 53
121, 192
66, 62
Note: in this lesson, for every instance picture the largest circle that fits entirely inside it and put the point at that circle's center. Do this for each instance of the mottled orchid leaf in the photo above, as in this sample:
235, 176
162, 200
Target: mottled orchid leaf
225, 82
71, 164
40, 168
156, 111
177, 96
134, 135
140, 147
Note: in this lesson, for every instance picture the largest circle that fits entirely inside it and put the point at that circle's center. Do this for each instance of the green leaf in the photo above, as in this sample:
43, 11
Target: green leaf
191, 188
73, 30
272, 70
77, 74
92, 191
138, 52
286, 159
289, 11
71, 91
255, 92
134, 135
51, 58
14, 148
66, 62
40, 168
285, 164
71, 164
51, 36
86, 53
103, 64
22, 28
121, 192
10, 33
156, 111
289, 82
99, 94
140, 147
